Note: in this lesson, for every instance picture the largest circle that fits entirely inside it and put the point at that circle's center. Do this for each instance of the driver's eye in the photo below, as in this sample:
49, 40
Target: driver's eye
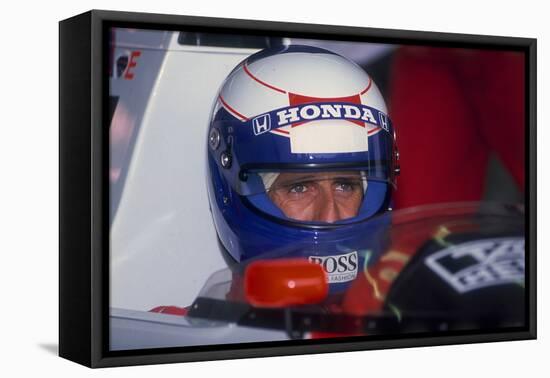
298, 188
347, 186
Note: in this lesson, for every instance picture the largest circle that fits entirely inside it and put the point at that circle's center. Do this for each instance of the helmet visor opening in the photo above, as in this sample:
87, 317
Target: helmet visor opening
316, 196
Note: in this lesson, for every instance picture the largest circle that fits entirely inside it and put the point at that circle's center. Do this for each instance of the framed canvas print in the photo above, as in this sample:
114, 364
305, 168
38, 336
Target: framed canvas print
234, 188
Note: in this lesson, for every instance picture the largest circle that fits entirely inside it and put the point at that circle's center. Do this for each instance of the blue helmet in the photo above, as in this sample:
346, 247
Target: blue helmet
300, 110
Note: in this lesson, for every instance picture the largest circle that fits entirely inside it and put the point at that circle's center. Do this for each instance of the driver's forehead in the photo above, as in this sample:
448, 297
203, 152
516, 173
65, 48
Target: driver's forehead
316, 175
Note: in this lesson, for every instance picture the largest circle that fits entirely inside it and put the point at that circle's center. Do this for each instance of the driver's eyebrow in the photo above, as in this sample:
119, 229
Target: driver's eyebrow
294, 180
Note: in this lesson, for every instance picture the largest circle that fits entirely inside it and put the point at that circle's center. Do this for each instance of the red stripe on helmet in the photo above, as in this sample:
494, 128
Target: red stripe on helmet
245, 67
226, 105
373, 130
367, 88
281, 131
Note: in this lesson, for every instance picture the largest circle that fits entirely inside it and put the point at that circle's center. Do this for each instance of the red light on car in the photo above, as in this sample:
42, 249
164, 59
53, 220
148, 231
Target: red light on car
284, 282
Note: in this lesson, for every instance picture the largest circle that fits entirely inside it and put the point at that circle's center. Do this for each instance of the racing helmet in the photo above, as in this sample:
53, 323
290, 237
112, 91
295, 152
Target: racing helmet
292, 113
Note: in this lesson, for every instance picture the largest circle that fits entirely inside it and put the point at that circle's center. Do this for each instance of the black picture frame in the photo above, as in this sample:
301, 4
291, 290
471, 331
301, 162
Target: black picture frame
84, 186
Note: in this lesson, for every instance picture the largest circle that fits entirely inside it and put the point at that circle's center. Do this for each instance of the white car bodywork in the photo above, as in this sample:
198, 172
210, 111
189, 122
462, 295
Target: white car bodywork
161, 230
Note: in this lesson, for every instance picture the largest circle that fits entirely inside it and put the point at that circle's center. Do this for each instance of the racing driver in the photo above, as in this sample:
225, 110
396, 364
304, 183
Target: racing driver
301, 156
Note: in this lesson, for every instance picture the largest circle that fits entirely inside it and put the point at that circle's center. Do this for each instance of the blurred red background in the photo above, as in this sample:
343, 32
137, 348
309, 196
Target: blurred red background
453, 109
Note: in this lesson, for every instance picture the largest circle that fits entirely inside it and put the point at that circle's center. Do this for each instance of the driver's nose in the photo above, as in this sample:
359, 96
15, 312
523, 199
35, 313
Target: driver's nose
327, 209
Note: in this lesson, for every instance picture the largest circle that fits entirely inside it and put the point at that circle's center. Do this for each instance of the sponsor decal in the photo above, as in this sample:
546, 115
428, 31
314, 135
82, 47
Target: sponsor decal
481, 263
298, 114
261, 124
309, 112
339, 268
129, 72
